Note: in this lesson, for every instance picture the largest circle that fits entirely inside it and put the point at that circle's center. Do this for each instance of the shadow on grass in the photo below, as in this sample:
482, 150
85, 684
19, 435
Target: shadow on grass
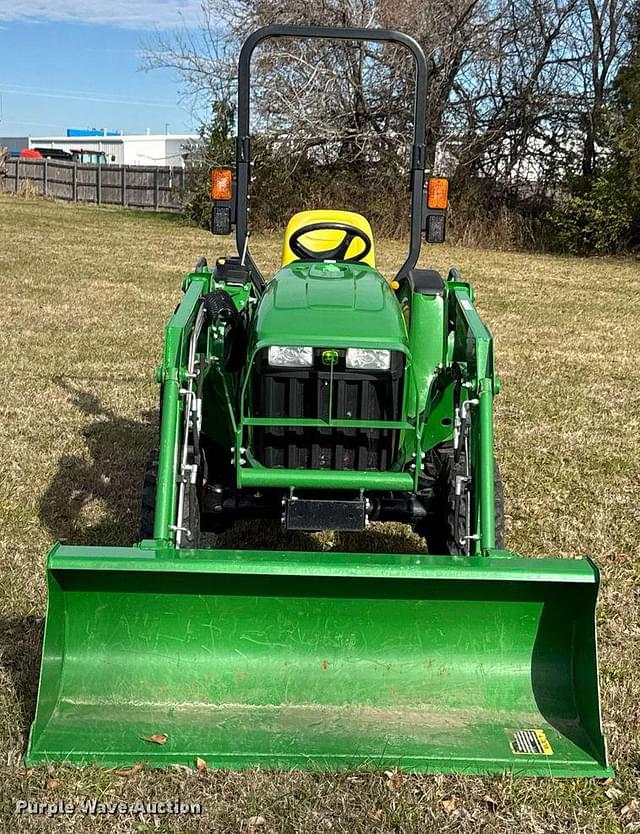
94, 498
20, 650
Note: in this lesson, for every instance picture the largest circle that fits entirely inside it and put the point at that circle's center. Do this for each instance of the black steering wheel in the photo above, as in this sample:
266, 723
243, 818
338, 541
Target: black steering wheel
338, 252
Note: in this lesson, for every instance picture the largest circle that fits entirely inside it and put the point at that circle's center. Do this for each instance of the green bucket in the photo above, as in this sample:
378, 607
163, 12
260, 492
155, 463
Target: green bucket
320, 660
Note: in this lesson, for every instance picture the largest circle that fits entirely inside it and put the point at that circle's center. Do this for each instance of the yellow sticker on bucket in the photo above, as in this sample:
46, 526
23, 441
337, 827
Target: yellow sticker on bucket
531, 743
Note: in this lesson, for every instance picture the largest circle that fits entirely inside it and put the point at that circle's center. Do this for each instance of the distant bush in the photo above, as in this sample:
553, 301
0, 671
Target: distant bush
603, 213
283, 184
599, 222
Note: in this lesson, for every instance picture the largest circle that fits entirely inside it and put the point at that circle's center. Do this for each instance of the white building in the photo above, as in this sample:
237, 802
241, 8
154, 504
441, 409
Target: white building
170, 149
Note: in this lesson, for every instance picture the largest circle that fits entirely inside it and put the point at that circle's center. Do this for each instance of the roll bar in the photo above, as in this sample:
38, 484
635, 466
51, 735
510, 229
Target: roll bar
243, 149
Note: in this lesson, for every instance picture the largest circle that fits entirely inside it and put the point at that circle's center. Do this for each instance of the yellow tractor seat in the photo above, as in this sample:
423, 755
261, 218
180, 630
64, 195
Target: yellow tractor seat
323, 239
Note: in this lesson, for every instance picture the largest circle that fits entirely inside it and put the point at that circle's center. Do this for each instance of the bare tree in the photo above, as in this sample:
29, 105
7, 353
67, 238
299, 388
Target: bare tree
516, 87
350, 100
603, 32
512, 104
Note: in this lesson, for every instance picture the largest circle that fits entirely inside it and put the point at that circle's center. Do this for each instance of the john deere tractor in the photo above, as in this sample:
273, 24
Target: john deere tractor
327, 398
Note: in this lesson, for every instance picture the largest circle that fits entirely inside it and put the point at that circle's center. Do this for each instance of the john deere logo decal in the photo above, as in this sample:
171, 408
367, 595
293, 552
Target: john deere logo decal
329, 357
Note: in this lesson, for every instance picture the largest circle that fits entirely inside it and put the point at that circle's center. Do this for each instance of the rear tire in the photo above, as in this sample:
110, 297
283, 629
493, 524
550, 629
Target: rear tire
443, 530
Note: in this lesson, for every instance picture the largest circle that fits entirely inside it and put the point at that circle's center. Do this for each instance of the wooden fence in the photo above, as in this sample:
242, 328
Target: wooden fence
155, 188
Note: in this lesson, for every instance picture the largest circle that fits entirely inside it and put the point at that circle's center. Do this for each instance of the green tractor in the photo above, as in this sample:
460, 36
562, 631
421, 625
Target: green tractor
327, 398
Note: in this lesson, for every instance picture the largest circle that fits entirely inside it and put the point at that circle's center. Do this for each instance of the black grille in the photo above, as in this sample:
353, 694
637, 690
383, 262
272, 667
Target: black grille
305, 393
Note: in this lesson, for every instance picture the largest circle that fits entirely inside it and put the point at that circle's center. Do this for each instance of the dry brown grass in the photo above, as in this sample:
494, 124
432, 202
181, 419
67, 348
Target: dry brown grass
85, 293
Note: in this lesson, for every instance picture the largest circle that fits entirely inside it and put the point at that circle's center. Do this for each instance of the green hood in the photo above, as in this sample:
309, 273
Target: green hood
330, 304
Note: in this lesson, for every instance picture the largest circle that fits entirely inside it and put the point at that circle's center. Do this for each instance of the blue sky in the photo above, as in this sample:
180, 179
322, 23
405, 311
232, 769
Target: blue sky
76, 63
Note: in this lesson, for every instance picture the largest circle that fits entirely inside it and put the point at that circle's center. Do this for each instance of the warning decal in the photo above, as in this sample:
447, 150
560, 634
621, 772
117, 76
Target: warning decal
531, 742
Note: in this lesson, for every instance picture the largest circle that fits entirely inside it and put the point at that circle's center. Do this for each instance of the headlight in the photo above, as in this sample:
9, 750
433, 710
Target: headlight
291, 357
372, 360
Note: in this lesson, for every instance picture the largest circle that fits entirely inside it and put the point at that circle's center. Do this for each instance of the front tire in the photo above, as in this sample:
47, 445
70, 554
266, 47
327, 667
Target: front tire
148, 500
191, 512
191, 516
444, 528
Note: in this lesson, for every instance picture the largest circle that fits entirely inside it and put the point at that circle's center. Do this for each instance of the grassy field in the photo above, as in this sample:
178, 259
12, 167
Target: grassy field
85, 293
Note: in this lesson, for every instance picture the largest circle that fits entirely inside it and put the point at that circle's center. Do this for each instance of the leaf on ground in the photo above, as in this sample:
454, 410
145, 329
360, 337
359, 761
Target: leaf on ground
159, 738
201, 764
127, 773
450, 804
52, 784
394, 779
613, 793
254, 822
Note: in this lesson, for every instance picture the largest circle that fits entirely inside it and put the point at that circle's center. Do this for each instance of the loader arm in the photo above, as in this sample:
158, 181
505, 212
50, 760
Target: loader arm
472, 346
171, 375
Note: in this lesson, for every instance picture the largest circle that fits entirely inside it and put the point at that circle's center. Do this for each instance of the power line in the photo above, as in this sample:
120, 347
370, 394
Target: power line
33, 124
88, 98
74, 91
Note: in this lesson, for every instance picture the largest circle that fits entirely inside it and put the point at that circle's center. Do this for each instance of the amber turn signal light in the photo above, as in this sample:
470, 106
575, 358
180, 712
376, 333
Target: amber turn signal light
221, 184
438, 193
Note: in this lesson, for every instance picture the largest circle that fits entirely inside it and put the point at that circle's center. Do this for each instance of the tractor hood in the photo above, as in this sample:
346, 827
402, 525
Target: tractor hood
330, 304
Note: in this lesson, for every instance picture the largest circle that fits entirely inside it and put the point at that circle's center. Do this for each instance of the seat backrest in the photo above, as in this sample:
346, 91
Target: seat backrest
323, 239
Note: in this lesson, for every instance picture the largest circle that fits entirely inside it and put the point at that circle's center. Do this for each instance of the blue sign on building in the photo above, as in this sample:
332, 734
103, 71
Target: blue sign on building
73, 131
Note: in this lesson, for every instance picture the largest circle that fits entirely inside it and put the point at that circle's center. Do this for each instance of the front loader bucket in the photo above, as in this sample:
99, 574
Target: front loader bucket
320, 660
